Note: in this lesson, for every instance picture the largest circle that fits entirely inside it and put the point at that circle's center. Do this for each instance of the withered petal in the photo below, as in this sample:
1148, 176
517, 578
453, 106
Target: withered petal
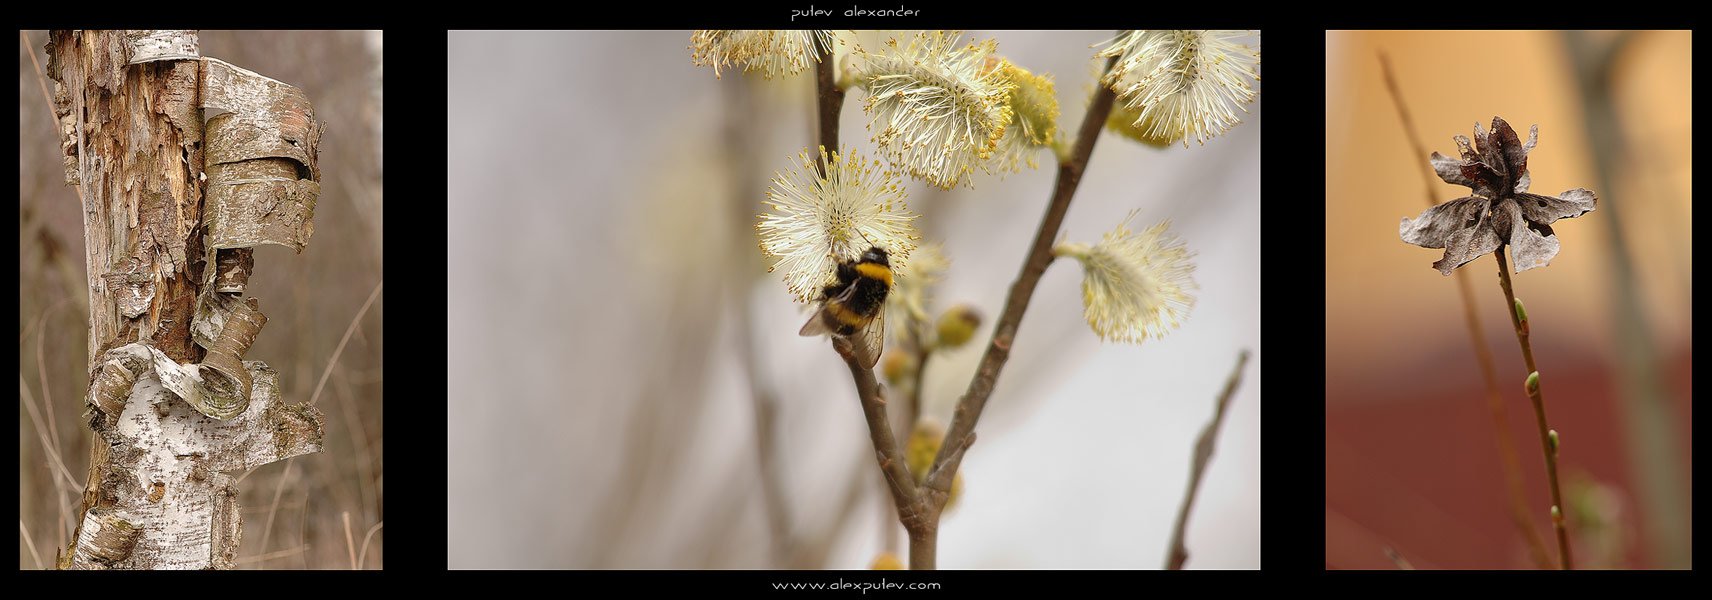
1531, 245
1450, 170
1522, 183
1545, 210
1460, 226
1533, 139
1482, 179
1462, 146
1510, 148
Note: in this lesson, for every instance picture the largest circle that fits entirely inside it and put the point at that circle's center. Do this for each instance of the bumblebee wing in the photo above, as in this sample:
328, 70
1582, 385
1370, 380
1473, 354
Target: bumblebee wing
816, 324
873, 338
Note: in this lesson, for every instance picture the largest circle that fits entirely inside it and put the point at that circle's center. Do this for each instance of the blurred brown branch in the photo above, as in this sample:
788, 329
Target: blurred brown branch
1179, 553
1650, 428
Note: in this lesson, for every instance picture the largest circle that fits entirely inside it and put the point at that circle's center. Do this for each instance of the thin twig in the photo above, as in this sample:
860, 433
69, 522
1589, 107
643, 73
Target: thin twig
42, 372
1397, 559
272, 555
1534, 394
41, 433
328, 371
1494, 399
273, 508
363, 556
1198, 465
25, 530
350, 543
53, 118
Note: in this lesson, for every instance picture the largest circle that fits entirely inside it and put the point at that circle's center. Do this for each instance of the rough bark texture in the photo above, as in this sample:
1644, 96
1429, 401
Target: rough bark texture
173, 411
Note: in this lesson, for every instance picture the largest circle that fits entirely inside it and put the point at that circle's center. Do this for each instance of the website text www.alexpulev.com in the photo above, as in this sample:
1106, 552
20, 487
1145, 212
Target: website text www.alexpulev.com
863, 587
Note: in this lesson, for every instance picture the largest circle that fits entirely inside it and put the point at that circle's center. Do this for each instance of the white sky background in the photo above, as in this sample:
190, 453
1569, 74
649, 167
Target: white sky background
560, 259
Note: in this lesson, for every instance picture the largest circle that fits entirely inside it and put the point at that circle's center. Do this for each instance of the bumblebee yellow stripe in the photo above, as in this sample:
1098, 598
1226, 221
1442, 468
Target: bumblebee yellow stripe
875, 271
844, 315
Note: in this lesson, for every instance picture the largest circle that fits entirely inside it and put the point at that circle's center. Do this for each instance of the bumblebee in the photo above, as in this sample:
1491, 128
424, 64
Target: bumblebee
853, 307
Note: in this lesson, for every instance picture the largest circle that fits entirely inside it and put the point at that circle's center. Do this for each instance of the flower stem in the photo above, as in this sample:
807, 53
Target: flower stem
1494, 399
1534, 394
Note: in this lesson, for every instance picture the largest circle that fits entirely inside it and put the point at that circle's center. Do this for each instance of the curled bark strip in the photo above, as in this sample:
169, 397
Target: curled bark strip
237, 138
107, 540
163, 44
223, 373
212, 309
112, 385
262, 171
184, 381
257, 202
233, 267
273, 119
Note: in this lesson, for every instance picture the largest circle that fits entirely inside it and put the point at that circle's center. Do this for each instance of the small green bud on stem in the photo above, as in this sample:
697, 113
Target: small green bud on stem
1521, 317
1533, 383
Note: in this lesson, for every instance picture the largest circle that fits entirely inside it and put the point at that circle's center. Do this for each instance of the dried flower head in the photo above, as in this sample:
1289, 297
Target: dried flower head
1134, 285
1034, 123
1182, 83
940, 110
819, 220
770, 51
1501, 211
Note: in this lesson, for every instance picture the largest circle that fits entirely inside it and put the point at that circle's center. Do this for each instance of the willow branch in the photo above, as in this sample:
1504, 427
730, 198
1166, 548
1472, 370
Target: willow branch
1198, 467
830, 96
1483, 355
969, 408
1547, 446
886, 448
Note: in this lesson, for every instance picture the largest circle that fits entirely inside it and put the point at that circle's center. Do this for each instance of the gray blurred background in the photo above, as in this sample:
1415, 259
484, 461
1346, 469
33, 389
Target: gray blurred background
611, 319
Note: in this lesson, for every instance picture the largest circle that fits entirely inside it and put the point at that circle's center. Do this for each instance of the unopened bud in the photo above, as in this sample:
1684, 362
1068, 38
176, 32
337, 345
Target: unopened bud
898, 366
1552, 435
1534, 383
958, 325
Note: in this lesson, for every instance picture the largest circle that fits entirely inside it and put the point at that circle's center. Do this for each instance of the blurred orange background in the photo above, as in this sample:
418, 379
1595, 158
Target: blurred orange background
1412, 460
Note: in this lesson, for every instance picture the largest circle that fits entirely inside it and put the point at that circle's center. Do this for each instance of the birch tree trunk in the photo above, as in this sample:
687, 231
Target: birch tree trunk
171, 206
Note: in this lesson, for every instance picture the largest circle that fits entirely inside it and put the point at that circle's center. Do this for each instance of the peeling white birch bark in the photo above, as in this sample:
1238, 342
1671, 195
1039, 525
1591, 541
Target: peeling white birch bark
168, 500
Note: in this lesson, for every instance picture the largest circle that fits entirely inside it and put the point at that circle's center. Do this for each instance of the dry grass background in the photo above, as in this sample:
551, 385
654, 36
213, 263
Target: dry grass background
323, 507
